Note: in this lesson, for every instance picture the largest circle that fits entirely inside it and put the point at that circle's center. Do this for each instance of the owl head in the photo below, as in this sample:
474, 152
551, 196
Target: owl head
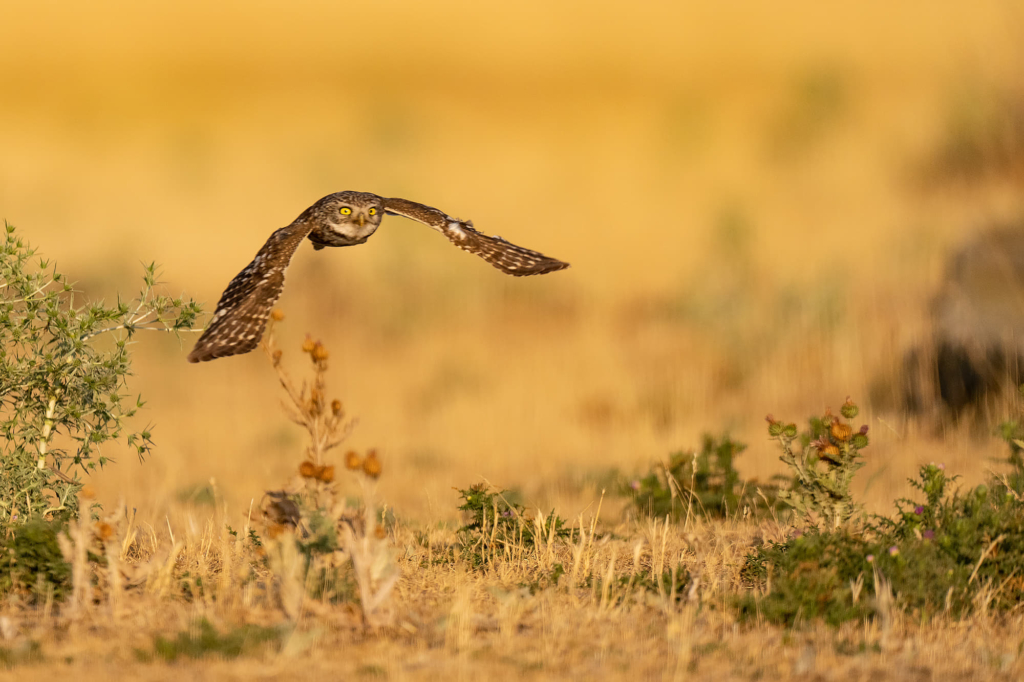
344, 218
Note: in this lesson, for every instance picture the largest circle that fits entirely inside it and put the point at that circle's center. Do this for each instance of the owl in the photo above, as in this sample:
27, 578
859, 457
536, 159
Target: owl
340, 219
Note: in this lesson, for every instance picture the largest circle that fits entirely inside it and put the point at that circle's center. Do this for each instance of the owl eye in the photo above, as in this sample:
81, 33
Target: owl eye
372, 211
346, 211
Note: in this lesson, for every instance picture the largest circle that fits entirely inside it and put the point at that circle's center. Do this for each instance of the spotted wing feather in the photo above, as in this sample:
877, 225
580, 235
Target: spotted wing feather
241, 316
507, 257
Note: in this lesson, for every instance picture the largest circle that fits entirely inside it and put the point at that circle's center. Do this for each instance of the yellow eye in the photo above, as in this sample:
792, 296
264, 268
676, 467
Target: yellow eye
372, 211
346, 211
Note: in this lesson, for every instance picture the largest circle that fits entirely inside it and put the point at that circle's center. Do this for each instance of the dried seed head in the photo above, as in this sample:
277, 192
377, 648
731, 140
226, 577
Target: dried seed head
353, 461
307, 469
849, 409
335, 407
841, 432
105, 531
308, 345
371, 465
380, 533
277, 315
277, 356
319, 353
326, 473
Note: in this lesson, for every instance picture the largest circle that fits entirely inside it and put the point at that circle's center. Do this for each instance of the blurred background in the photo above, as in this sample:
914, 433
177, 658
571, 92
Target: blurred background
758, 203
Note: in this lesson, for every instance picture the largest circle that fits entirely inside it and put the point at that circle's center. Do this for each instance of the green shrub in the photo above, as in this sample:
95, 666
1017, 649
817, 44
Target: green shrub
31, 562
940, 554
705, 482
809, 576
57, 379
497, 525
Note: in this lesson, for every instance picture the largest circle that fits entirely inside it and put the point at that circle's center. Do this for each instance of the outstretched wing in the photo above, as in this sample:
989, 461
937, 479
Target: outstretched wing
241, 316
509, 258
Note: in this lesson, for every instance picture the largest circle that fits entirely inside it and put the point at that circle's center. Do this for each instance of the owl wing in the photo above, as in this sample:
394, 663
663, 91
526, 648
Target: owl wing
509, 258
241, 316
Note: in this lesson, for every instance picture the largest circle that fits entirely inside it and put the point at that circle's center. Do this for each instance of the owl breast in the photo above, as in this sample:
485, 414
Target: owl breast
341, 235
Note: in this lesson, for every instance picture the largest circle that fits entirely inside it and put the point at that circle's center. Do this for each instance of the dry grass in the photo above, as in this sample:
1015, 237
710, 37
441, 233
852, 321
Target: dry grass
744, 200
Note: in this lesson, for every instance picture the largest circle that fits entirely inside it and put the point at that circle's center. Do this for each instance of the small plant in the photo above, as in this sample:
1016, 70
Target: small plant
332, 548
706, 482
1012, 432
824, 466
31, 562
498, 526
63, 392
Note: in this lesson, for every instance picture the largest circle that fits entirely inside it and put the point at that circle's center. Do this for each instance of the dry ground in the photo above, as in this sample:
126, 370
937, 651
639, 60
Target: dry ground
749, 202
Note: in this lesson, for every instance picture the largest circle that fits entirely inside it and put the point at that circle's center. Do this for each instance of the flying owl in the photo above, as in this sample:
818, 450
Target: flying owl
340, 219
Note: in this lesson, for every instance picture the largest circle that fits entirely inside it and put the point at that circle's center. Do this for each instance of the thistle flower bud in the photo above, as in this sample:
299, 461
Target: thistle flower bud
353, 461
789, 431
307, 469
371, 465
830, 453
859, 441
841, 432
308, 345
849, 409
277, 315
774, 427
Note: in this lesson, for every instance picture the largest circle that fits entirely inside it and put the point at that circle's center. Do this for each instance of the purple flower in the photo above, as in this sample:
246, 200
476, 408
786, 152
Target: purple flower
942, 467
870, 558
864, 430
928, 534
894, 550
507, 513
919, 510
635, 485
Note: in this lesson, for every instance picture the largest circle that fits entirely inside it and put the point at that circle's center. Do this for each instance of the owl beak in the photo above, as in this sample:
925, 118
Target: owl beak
361, 220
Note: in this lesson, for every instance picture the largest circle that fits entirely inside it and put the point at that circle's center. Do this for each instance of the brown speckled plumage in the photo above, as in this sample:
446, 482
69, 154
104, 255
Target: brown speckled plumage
241, 316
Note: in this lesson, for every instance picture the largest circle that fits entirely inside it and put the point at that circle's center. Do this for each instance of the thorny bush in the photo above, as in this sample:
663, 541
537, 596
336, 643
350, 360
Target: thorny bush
63, 370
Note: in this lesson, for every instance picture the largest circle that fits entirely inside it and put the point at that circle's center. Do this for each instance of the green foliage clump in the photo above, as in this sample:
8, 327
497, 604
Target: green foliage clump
824, 465
940, 554
204, 640
31, 563
705, 481
497, 525
62, 392
808, 576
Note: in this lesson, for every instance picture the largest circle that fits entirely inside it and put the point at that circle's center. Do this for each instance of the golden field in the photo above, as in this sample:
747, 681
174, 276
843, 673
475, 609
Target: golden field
746, 196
